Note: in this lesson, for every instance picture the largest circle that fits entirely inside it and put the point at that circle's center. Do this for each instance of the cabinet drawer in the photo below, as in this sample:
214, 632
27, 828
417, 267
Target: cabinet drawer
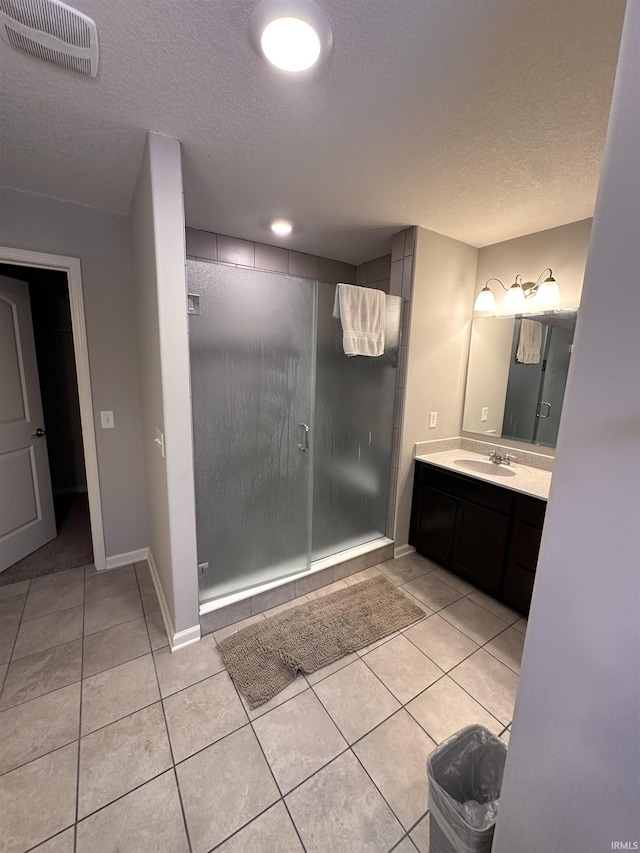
518, 588
526, 546
467, 488
532, 512
436, 478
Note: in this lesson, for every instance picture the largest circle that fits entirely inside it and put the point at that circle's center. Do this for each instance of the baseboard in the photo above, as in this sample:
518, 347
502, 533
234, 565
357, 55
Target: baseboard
179, 639
127, 559
402, 551
186, 638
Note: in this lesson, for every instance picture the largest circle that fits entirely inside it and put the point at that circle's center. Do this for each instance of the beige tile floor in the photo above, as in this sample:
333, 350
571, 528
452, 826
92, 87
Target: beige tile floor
108, 742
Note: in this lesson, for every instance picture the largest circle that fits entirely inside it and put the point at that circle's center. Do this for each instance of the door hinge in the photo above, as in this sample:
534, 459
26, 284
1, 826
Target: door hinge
203, 568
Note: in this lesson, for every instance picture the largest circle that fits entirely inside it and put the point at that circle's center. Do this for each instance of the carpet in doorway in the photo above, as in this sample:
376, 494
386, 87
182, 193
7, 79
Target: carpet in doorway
71, 548
262, 659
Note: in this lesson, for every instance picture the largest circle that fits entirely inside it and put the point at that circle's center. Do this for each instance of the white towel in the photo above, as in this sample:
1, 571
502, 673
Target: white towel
530, 342
361, 311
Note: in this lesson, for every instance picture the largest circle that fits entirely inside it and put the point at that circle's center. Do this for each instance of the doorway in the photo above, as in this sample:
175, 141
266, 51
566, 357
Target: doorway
61, 526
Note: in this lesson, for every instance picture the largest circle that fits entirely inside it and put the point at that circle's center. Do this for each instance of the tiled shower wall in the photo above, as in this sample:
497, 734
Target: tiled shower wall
401, 278
231, 250
376, 273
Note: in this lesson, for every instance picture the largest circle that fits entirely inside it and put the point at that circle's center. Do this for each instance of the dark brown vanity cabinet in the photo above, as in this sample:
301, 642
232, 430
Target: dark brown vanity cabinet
522, 558
484, 533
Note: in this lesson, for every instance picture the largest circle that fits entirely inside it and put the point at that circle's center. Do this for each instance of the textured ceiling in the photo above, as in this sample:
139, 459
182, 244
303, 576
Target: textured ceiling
482, 119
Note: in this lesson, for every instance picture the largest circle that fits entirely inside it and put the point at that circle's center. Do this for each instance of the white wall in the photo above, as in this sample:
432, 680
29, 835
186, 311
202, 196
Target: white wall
572, 780
101, 241
157, 231
441, 307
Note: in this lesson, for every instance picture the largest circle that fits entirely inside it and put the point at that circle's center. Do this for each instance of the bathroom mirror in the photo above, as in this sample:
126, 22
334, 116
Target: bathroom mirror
517, 374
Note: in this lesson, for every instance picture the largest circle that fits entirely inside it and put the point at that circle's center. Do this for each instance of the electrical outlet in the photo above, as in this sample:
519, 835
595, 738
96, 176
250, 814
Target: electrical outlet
107, 420
485, 413
433, 419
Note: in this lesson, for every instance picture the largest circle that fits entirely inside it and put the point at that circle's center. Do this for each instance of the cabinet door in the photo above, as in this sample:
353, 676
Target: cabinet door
433, 524
481, 538
518, 588
523, 553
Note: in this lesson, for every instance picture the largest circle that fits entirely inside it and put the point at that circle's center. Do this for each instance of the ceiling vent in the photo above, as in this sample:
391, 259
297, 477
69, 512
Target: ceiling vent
52, 31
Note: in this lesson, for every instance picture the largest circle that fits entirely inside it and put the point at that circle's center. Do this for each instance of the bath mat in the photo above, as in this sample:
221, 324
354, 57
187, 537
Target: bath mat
262, 659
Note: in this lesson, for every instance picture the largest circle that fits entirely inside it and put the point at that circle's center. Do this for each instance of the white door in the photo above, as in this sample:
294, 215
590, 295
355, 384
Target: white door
27, 520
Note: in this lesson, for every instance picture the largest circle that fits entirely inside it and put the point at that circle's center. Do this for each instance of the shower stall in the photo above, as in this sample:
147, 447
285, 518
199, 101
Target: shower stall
292, 439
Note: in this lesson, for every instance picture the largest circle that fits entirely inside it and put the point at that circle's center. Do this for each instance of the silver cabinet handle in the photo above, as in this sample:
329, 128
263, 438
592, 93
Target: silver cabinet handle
303, 445
38, 433
539, 410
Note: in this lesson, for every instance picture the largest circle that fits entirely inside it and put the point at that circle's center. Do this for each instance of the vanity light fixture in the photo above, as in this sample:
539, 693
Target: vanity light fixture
293, 35
542, 292
281, 228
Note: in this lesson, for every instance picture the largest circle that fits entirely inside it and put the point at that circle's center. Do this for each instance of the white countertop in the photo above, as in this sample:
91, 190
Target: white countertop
521, 478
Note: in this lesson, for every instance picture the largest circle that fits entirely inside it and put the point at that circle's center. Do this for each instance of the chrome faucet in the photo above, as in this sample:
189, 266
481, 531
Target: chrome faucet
494, 456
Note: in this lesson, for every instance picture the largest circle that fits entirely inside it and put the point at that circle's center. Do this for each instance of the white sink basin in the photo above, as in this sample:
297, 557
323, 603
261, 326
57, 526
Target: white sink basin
485, 466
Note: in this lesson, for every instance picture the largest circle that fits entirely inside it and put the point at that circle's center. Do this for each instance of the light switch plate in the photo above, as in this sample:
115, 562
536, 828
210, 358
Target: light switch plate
159, 440
433, 419
485, 413
107, 420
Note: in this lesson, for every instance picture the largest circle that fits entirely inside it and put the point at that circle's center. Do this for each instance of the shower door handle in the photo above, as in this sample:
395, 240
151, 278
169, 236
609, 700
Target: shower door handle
539, 411
303, 445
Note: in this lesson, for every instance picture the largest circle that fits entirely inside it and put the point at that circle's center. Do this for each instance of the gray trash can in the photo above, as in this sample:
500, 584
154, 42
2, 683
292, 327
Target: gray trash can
465, 778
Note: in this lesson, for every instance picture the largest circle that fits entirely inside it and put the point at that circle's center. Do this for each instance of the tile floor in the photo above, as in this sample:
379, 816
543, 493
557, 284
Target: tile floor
108, 742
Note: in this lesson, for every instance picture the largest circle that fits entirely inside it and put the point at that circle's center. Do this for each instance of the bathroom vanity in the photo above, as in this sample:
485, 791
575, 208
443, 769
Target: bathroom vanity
466, 521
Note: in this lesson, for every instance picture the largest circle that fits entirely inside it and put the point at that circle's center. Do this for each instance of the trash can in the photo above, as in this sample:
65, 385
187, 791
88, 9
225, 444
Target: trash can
465, 778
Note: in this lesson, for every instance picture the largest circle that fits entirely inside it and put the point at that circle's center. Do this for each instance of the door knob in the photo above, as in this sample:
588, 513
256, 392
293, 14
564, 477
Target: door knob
38, 433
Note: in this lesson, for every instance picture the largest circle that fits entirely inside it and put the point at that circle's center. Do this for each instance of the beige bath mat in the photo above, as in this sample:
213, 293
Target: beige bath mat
262, 659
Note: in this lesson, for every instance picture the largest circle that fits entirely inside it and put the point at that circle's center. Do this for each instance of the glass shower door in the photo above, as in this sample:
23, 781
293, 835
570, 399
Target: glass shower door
252, 344
352, 448
554, 381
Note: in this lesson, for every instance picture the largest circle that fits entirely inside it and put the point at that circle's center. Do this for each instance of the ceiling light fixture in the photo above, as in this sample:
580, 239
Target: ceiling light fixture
293, 35
281, 228
290, 44
544, 292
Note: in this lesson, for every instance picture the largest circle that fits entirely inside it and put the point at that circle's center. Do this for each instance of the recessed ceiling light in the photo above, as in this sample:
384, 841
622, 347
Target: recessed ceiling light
293, 35
290, 44
281, 228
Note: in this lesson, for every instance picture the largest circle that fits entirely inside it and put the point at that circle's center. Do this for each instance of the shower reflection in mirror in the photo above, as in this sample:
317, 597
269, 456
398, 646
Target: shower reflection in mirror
517, 373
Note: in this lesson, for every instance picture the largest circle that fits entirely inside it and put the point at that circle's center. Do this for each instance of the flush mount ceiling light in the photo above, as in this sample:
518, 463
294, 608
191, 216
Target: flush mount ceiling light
281, 227
541, 292
293, 35
290, 44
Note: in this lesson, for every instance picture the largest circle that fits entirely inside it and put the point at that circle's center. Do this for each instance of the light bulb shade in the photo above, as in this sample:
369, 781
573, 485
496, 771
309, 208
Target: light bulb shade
548, 293
485, 300
281, 227
290, 44
292, 35
514, 299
